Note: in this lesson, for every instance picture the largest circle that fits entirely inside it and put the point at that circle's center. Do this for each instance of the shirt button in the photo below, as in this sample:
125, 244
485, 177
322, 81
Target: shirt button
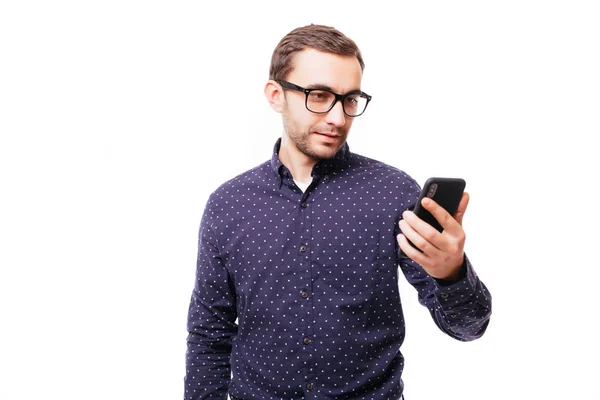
444, 295
306, 340
285, 173
304, 294
453, 316
304, 205
309, 386
326, 177
303, 248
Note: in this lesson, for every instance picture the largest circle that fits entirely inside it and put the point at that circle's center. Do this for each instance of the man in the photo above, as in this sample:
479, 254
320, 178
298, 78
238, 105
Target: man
296, 293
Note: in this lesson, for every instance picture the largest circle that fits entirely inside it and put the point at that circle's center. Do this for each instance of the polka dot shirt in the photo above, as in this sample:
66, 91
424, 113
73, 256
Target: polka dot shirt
296, 292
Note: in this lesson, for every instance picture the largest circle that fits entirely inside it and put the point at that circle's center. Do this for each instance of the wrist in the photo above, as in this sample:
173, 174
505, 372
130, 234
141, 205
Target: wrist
455, 275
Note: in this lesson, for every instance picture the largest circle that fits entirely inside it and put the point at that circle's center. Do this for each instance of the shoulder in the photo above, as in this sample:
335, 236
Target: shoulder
250, 179
380, 170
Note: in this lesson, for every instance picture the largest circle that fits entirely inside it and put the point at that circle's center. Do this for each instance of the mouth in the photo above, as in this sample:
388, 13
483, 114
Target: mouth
329, 135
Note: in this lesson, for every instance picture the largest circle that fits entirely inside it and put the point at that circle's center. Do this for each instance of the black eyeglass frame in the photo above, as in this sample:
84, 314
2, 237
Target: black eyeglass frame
338, 97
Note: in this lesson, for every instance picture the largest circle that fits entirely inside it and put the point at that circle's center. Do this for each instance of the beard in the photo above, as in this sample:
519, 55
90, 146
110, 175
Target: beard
309, 143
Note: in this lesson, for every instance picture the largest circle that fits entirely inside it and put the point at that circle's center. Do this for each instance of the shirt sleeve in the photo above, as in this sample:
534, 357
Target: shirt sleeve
461, 309
211, 322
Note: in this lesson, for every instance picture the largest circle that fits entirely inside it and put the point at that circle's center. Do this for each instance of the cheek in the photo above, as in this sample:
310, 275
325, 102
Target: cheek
310, 123
303, 120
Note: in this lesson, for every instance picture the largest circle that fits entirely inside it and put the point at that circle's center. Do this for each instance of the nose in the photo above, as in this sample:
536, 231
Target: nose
336, 115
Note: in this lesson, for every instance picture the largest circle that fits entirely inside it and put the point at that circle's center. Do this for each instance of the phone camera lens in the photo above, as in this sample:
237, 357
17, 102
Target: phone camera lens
432, 190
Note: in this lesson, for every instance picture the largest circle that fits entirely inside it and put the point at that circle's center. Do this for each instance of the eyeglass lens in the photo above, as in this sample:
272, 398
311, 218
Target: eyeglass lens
321, 101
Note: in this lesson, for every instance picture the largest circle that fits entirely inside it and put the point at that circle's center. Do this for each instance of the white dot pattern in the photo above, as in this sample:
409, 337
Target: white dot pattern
296, 293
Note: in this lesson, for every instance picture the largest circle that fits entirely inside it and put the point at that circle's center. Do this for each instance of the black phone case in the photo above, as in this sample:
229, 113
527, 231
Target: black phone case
448, 193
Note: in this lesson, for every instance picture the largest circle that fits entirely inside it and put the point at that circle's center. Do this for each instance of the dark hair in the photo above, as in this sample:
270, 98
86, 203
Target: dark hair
319, 37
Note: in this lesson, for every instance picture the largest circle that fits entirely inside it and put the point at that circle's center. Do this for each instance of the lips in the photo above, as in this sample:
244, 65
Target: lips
331, 135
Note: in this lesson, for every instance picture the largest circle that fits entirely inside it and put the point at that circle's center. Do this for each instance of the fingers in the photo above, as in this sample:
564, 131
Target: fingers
442, 251
447, 221
411, 252
420, 233
427, 238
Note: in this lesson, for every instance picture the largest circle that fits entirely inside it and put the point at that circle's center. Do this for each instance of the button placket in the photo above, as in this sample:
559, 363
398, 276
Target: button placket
306, 289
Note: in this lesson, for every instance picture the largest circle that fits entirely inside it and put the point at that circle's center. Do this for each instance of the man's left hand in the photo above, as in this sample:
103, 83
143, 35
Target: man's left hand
443, 252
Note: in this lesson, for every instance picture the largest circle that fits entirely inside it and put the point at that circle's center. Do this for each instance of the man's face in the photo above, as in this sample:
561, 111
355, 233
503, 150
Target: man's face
319, 136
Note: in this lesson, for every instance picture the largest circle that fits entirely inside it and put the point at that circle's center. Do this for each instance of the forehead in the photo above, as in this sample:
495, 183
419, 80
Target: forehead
341, 73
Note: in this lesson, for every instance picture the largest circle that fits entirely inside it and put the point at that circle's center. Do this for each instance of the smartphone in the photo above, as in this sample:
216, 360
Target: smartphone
447, 192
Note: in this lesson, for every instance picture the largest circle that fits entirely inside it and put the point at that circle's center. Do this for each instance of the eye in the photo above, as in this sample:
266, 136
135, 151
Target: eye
319, 95
352, 101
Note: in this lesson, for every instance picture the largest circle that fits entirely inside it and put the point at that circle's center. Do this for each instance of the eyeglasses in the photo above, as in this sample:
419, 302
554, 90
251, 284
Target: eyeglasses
321, 101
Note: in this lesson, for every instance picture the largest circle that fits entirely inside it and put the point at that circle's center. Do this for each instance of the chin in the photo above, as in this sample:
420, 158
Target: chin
324, 152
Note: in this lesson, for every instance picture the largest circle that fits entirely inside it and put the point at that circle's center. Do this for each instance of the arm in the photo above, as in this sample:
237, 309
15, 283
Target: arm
211, 322
447, 284
459, 308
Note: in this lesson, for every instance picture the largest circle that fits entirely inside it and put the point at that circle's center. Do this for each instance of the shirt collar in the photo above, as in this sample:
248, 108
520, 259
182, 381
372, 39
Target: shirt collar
322, 167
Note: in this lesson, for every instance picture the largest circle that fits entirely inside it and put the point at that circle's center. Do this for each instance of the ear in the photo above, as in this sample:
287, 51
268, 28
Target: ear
275, 96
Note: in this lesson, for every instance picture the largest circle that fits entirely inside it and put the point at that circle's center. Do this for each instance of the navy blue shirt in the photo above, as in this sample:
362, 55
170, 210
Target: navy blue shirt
296, 293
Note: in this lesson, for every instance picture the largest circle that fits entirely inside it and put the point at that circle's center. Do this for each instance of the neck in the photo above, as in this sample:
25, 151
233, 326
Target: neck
299, 164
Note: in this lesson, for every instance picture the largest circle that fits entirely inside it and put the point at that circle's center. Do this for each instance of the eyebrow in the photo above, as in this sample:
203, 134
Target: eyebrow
327, 87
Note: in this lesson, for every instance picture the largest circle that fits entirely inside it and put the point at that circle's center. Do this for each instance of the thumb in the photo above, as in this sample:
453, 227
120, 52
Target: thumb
462, 207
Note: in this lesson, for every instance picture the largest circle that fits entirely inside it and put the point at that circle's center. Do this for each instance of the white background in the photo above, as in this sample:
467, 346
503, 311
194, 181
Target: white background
119, 118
